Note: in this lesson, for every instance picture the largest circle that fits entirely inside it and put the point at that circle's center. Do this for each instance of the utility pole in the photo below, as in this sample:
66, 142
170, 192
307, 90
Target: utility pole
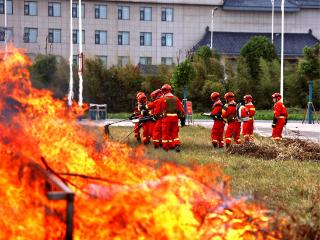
70, 94
5, 29
272, 18
282, 48
80, 55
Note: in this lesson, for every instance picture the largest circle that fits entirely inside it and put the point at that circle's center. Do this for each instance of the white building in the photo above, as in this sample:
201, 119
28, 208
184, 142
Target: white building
150, 32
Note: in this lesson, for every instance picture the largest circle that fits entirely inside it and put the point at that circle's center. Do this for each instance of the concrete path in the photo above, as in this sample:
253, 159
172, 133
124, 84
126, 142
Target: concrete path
294, 129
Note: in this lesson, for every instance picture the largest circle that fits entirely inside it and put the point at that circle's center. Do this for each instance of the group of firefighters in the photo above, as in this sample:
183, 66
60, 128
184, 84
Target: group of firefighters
160, 117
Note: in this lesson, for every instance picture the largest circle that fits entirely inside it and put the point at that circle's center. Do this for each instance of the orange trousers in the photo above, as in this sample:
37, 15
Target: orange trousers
247, 130
156, 133
170, 132
217, 133
233, 130
277, 130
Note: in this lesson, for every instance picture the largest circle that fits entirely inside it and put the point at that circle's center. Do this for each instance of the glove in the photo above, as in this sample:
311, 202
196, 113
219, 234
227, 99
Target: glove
132, 116
142, 107
274, 122
183, 121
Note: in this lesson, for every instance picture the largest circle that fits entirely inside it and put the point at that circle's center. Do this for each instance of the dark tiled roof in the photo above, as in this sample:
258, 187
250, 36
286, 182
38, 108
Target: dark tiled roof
230, 43
307, 3
260, 5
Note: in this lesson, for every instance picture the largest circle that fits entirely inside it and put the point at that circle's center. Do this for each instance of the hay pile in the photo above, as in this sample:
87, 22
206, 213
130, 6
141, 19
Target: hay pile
287, 149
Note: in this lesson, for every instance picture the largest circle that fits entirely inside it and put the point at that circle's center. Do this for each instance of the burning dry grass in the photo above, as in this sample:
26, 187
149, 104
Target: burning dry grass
123, 195
287, 149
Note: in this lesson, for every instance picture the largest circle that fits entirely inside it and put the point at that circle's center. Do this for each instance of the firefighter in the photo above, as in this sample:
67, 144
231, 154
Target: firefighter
136, 114
156, 95
229, 113
170, 109
280, 116
218, 124
247, 126
143, 112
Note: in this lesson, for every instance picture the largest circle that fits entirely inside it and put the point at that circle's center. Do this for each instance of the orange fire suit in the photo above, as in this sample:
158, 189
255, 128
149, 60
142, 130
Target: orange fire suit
247, 126
157, 125
137, 126
218, 125
170, 109
234, 126
279, 120
147, 126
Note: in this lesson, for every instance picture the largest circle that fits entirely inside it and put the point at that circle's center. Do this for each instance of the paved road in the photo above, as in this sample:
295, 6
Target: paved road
293, 129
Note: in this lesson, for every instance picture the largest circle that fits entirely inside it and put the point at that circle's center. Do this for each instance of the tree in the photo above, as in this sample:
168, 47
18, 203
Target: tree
309, 66
256, 48
183, 74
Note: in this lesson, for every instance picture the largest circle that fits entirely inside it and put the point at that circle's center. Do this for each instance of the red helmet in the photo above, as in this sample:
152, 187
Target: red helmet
229, 95
276, 95
142, 97
214, 95
248, 98
166, 88
138, 94
155, 94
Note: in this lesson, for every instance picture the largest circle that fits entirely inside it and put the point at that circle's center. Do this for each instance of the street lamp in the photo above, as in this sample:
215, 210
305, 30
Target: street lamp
282, 47
272, 2
212, 13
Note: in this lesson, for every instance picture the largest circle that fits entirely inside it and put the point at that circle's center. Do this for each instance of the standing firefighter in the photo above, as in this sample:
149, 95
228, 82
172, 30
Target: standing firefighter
170, 109
143, 112
156, 95
136, 114
229, 113
247, 126
218, 125
280, 116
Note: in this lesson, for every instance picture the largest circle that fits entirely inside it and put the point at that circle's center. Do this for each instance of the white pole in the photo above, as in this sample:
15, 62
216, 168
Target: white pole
272, 2
282, 48
80, 55
212, 13
5, 28
70, 95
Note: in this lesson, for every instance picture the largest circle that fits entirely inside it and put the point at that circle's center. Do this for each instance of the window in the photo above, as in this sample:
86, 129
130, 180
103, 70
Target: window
123, 13
75, 10
167, 14
100, 11
54, 35
167, 60
54, 9
9, 34
123, 61
145, 60
9, 7
123, 38
145, 39
30, 8
103, 59
76, 36
167, 39
100, 37
146, 14
75, 59
30, 35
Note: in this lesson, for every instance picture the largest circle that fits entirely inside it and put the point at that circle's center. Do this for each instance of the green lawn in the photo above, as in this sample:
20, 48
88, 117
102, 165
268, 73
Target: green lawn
287, 184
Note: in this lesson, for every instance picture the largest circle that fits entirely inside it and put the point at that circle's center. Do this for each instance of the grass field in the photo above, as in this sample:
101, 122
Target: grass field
290, 185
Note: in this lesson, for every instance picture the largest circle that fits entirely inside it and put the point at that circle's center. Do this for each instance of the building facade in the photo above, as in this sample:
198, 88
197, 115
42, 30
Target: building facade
146, 32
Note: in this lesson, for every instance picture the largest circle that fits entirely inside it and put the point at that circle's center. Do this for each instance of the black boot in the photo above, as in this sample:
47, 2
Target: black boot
215, 145
178, 148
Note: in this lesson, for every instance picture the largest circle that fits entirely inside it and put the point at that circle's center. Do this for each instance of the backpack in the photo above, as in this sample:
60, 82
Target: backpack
242, 112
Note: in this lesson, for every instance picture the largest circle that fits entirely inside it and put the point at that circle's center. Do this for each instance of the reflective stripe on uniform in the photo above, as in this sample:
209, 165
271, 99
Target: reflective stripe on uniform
228, 138
252, 109
165, 141
156, 140
176, 139
171, 114
214, 141
282, 117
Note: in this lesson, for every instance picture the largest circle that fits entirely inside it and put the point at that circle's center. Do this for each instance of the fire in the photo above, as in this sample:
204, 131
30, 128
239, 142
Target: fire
118, 194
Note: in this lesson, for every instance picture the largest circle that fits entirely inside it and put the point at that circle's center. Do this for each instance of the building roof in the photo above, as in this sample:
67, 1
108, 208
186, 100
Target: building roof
265, 5
230, 43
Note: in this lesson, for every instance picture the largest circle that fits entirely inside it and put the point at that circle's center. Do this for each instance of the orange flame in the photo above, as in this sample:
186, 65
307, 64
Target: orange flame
140, 199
